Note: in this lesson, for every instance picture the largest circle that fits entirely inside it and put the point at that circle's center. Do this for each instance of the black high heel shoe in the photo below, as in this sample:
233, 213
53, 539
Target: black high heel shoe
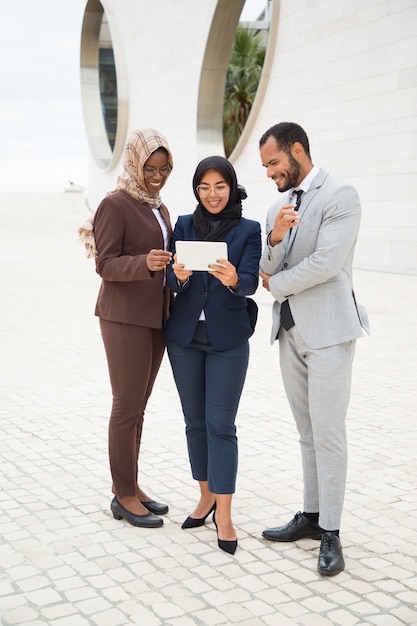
194, 522
226, 546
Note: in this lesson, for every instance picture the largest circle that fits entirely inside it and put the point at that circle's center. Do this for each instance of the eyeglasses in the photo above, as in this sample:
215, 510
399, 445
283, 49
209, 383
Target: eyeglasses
220, 189
151, 171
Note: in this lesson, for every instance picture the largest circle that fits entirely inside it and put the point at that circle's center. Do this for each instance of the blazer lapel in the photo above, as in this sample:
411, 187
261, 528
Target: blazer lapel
308, 196
228, 238
302, 210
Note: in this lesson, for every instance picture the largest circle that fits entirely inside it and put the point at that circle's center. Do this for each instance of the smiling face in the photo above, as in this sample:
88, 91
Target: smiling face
213, 191
156, 171
285, 169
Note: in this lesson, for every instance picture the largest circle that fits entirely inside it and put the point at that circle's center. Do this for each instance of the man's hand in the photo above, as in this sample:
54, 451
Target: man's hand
285, 219
265, 279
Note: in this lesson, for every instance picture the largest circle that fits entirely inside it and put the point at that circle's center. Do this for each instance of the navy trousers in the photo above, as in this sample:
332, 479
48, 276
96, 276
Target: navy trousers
210, 384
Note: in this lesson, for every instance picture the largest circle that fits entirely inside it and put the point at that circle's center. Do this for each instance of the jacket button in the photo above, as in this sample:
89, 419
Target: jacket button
285, 265
205, 294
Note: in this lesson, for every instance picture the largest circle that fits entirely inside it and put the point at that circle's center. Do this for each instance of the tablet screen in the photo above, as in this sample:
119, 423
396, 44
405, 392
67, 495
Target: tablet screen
198, 255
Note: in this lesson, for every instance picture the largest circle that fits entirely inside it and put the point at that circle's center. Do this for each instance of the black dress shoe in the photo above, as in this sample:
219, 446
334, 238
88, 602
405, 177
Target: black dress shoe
298, 528
331, 560
227, 546
194, 522
155, 507
144, 521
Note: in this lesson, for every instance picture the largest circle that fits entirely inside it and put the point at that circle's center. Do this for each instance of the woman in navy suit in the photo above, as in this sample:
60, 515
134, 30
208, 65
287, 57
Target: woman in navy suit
207, 337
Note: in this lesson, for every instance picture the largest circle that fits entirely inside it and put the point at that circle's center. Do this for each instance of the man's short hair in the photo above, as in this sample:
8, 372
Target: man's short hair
286, 134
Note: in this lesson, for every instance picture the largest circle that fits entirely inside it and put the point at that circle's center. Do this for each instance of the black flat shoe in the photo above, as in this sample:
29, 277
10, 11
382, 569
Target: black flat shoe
331, 560
157, 508
227, 546
143, 521
194, 522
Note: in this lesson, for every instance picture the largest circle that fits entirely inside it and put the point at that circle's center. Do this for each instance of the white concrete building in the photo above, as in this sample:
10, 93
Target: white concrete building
345, 70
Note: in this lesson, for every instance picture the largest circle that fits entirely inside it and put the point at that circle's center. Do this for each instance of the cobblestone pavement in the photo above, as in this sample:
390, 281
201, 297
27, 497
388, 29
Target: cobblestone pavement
64, 560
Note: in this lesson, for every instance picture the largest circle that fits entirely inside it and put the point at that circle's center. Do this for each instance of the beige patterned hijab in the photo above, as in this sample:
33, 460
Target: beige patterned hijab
140, 145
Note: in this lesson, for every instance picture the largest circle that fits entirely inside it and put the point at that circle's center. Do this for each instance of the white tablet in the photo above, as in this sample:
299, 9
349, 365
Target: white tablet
198, 255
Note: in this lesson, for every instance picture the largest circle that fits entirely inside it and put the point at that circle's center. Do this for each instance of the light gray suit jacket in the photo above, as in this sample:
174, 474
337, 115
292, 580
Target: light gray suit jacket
312, 266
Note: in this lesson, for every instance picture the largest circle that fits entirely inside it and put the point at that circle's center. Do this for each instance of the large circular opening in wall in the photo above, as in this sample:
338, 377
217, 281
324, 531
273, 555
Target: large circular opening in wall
235, 72
103, 86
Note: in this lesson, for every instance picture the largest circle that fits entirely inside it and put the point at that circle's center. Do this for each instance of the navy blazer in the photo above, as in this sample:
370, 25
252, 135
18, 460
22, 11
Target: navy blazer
229, 321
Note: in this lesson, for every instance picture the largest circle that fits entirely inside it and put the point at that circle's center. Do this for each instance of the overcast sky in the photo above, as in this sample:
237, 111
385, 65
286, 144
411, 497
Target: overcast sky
43, 143
42, 134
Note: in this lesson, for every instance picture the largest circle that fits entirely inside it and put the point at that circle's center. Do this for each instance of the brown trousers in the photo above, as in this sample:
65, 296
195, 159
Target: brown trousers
134, 355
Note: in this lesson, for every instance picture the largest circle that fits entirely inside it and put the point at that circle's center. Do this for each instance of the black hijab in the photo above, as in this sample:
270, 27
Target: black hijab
211, 227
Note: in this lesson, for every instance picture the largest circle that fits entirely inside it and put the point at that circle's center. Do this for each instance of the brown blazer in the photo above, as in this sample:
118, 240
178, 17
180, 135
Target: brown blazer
125, 230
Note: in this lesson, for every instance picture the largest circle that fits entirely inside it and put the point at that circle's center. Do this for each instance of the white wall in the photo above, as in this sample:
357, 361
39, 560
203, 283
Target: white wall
345, 70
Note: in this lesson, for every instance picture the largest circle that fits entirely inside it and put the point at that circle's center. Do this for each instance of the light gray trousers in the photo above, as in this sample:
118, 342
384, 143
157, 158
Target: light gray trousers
317, 384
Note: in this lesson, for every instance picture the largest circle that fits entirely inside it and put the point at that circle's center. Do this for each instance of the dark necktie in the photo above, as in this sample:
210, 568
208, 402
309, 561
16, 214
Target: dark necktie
287, 320
298, 202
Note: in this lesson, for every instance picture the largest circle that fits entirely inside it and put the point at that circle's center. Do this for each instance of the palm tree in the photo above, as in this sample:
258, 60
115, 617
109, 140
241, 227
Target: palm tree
244, 72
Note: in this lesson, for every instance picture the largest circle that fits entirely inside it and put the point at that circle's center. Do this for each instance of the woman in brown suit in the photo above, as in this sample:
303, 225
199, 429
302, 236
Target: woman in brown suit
131, 230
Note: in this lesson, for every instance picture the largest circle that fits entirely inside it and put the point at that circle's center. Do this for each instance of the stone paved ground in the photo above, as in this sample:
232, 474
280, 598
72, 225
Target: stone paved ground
64, 560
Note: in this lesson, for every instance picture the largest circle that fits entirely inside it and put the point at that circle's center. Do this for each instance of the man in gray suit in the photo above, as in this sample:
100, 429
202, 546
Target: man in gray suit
307, 267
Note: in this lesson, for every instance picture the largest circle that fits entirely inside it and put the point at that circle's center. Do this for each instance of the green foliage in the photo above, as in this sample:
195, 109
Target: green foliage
243, 75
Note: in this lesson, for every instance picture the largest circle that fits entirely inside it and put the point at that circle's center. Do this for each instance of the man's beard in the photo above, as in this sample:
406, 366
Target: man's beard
294, 171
